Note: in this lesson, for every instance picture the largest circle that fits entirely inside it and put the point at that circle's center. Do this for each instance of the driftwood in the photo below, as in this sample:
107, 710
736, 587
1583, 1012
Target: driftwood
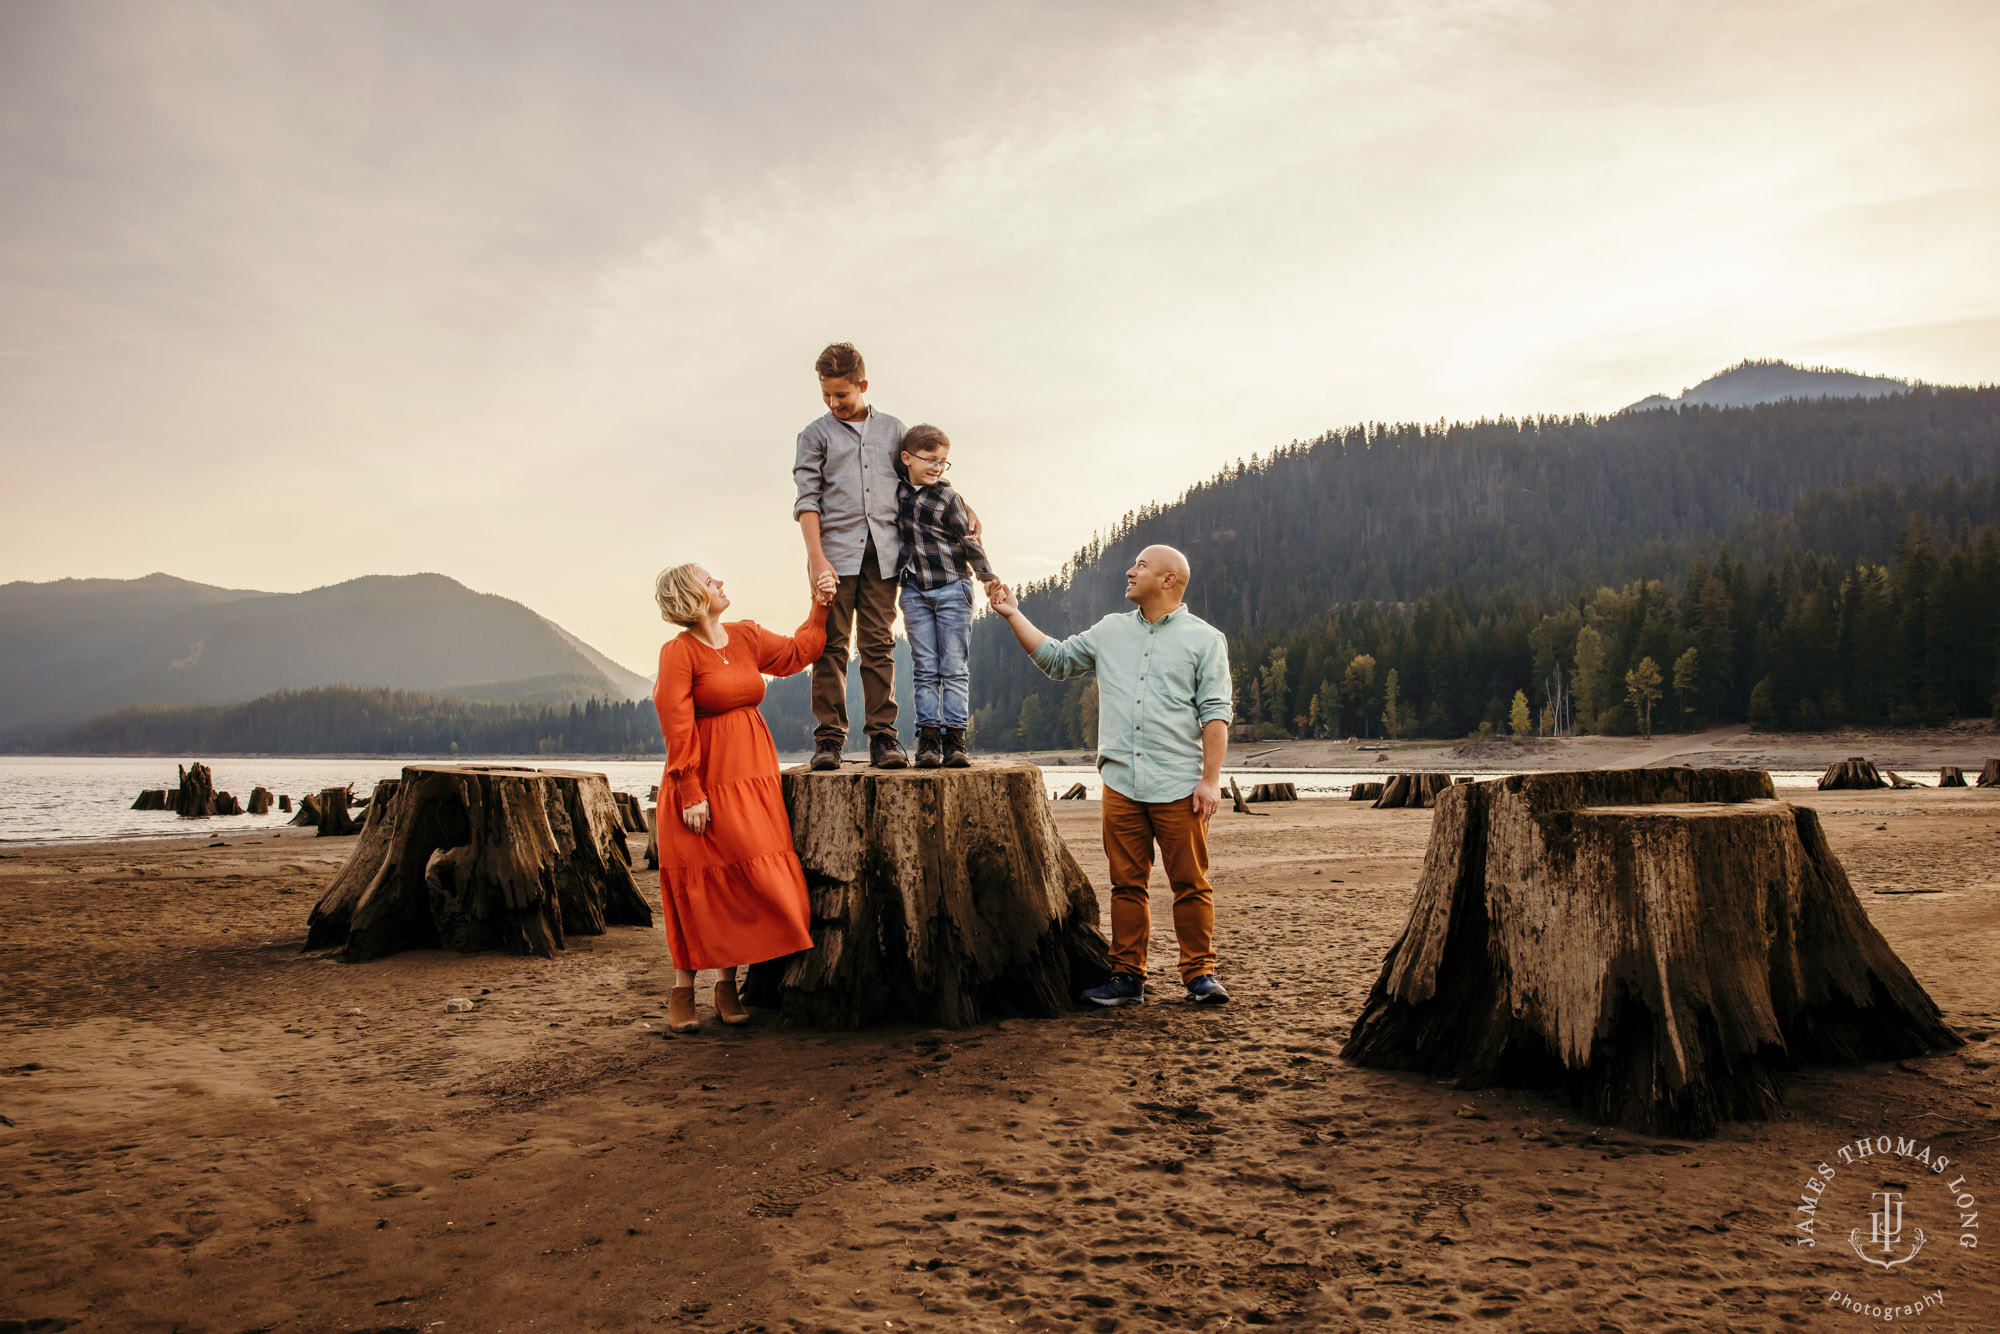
1076, 792
195, 798
155, 799
1853, 772
943, 896
1274, 792
260, 801
1238, 804
1899, 782
1951, 776
475, 857
1364, 792
1412, 790
1989, 776
1660, 943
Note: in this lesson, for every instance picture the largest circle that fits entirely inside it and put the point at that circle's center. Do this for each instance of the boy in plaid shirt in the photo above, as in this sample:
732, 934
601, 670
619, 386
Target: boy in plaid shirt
939, 554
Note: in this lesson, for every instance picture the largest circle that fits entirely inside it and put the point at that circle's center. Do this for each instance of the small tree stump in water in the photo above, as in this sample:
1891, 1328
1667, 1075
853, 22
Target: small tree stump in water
155, 799
330, 806
940, 895
1412, 790
1365, 792
1659, 942
225, 803
260, 801
1951, 776
195, 798
481, 857
1854, 772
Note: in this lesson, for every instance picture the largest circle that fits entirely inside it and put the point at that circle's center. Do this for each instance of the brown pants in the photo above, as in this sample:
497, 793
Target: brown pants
866, 606
1131, 828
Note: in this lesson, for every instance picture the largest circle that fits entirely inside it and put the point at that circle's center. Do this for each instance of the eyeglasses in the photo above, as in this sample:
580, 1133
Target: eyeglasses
942, 465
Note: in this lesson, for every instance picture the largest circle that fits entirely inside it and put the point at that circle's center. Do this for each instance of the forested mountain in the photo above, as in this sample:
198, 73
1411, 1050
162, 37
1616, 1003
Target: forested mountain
1751, 382
1827, 560
342, 720
78, 647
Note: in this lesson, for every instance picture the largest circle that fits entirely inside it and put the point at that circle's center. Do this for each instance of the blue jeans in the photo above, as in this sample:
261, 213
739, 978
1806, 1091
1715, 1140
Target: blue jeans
939, 624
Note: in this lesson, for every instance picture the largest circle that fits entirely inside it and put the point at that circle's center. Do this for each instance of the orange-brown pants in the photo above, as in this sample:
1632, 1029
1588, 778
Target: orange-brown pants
1131, 828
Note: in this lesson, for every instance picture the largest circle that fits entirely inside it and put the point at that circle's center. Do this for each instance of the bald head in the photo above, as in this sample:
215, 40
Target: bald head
1157, 581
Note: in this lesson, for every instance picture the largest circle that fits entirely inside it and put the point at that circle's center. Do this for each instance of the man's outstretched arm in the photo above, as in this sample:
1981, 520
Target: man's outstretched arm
1001, 598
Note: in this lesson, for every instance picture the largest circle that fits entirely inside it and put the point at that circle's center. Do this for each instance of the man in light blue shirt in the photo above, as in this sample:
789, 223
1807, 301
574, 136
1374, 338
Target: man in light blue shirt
1163, 712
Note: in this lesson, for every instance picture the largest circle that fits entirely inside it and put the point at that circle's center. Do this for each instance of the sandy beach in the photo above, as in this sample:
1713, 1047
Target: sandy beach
205, 1130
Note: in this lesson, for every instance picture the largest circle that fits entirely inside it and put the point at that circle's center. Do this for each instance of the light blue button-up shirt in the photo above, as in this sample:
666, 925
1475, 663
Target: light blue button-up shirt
1158, 685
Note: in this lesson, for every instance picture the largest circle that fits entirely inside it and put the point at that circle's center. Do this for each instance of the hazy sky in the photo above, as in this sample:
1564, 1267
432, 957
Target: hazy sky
529, 294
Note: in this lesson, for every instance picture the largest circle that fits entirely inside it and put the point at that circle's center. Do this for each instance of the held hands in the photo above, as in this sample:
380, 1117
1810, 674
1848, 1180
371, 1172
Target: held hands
696, 818
1207, 799
1001, 598
824, 582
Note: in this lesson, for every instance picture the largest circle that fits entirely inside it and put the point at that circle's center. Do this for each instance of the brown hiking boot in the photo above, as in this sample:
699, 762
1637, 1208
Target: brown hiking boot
885, 752
727, 1007
930, 747
954, 749
826, 755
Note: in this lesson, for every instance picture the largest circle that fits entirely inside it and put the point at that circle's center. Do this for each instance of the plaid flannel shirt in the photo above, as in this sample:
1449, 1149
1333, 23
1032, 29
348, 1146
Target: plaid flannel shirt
936, 535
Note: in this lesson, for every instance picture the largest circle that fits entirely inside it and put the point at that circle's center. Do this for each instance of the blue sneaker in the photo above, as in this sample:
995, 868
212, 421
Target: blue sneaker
1122, 989
1205, 990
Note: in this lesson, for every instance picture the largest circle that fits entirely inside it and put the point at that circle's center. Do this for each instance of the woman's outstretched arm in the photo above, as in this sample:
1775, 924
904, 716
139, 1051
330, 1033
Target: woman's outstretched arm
782, 655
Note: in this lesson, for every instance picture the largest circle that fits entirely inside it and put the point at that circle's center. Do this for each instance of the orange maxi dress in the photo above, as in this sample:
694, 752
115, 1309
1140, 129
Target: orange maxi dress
735, 894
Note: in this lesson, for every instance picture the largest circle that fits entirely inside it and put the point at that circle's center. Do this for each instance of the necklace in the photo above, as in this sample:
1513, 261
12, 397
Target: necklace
718, 651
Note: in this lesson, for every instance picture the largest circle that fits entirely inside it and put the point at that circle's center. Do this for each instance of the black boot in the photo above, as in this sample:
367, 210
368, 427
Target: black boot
826, 755
954, 749
930, 747
885, 752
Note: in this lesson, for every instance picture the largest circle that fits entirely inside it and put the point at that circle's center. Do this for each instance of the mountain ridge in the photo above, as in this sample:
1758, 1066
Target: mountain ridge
1750, 382
71, 649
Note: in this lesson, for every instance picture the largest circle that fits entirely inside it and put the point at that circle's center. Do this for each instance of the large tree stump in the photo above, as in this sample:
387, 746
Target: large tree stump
943, 895
1989, 776
1412, 790
1659, 942
481, 857
195, 798
330, 810
1853, 772
1951, 776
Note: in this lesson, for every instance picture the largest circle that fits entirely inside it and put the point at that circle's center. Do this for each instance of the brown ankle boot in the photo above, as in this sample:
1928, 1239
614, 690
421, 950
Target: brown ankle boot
727, 1007
681, 1017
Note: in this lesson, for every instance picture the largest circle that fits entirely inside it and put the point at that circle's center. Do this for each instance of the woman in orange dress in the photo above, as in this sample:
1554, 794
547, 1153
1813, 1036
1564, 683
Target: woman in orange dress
730, 884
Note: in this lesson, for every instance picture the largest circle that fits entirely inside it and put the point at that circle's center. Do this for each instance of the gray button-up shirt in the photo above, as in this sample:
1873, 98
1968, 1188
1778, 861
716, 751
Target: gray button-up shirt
849, 480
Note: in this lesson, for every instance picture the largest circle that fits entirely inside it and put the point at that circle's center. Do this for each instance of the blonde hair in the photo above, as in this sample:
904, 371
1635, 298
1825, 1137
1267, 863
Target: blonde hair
680, 594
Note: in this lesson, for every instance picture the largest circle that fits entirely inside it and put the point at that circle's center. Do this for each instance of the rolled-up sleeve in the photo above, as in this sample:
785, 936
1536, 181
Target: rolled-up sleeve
1212, 684
809, 472
1060, 659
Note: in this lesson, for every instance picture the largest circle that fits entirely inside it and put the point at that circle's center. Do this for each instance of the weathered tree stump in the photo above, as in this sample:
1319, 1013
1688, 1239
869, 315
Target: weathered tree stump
195, 798
1075, 792
155, 799
1274, 792
285, 804
653, 837
224, 803
330, 806
945, 896
1853, 772
1897, 781
1412, 790
477, 857
630, 813
260, 801
1364, 792
1661, 943
1237, 802
1951, 776
1989, 776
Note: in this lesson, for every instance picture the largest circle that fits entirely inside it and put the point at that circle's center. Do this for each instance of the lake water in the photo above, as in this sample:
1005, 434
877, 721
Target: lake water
63, 799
